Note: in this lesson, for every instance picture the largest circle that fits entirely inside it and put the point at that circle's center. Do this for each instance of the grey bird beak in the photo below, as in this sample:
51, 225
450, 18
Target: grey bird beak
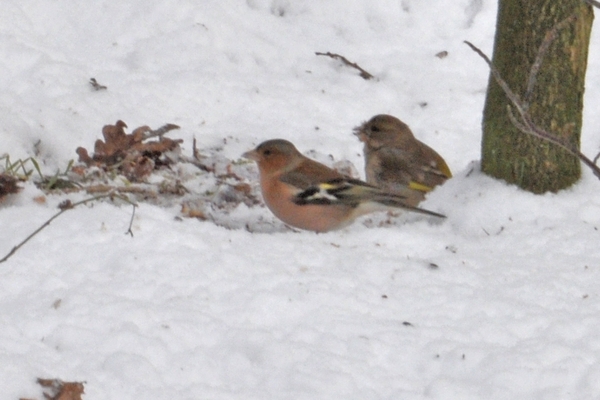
359, 132
251, 155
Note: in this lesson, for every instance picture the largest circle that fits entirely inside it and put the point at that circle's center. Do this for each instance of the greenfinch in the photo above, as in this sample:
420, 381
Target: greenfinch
395, 161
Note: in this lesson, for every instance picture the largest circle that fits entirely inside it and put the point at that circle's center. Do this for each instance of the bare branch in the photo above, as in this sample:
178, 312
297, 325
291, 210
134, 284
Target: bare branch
543, 134
195, 152
64, 206
520, 126
548, 39
592, 3
363, 74
496, 74
129, 231
532, 129
526, 125
96, 85
160, 131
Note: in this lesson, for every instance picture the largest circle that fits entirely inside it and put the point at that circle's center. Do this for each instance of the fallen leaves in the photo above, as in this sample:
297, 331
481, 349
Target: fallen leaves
131, 154
150, 167
55, 389
146, 166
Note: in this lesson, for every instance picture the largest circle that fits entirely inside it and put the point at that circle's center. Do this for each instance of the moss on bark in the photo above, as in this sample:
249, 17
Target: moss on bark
556, 102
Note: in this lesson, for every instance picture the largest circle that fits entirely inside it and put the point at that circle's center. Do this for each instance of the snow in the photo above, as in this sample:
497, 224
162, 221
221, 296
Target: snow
499, 301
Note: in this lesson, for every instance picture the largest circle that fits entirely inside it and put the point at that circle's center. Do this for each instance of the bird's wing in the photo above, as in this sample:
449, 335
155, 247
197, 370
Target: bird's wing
309, 173
353, 192
397, 165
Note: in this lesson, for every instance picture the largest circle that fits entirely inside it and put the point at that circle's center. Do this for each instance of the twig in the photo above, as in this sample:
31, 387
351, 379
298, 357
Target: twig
160, 131
520, 126
548, 39
129, 231
543, 134
592, 3
96, 85
195, 152
509, 93
102, 188
363, 74
526, 125
64, 206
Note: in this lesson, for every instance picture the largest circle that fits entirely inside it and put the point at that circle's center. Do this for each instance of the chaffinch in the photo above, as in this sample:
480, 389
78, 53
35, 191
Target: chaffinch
397, 162
308, 195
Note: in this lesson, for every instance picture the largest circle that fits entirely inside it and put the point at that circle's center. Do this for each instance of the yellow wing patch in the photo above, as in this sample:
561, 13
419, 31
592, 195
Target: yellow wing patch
419, 186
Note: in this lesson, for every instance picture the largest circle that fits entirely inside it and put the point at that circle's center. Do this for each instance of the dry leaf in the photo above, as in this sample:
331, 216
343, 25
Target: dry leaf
129, 154
60, 390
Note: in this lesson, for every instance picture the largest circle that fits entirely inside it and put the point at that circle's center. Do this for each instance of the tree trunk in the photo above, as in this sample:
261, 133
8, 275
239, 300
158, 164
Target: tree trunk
556, 101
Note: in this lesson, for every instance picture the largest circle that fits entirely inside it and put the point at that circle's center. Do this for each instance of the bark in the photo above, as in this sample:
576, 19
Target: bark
556, 100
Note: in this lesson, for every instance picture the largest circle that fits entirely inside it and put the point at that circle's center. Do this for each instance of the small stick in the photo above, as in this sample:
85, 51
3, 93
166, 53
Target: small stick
363, 74
509, 93
119, 189
195, 153
129, 231
96, 85
64, 206
548, 39
160, 131
536, 131
593, 3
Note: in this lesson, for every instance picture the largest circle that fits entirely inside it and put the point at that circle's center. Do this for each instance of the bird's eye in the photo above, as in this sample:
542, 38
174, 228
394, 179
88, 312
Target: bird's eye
267, 153
375, 128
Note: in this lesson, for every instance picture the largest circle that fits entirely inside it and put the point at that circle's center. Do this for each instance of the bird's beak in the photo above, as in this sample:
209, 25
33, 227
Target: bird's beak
251, 155
358, 132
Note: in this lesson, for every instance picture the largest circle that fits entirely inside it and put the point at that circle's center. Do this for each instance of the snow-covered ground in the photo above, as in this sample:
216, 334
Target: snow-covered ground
499, 301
